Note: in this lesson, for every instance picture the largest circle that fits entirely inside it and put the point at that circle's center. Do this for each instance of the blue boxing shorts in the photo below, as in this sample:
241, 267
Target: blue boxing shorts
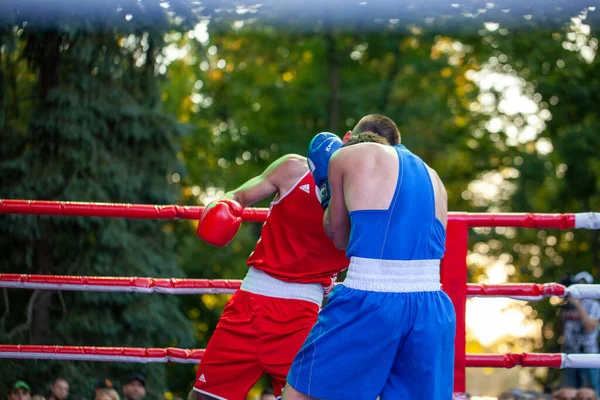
377, 338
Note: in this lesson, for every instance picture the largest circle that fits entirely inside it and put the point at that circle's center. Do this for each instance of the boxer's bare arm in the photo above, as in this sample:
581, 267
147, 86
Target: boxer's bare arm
441, 197
277, 178
336, 220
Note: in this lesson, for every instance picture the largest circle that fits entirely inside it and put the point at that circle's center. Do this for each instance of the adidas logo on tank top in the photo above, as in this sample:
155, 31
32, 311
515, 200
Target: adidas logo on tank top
305, 188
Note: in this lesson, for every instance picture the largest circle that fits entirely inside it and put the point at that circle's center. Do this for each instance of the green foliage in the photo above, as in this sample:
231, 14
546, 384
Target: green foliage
83, 121
271, 90
566, 180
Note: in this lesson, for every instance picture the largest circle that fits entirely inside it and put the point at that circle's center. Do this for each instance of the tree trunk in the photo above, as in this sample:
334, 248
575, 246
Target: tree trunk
152, 90
40, 320
3, 89
334, 82
39, 330
388, 84
49, 63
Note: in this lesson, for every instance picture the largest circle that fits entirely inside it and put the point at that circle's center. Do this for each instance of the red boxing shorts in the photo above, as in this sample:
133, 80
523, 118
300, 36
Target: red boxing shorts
256, 335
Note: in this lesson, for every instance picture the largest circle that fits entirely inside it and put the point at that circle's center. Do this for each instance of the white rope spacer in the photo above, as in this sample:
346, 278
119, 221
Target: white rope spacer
583, 291
580, 361
588, 220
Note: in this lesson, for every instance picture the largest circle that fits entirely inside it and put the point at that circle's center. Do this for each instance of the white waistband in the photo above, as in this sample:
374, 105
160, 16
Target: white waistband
259, 282
393, 275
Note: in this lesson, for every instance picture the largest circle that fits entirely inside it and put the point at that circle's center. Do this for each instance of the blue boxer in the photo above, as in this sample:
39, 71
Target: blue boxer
389, 330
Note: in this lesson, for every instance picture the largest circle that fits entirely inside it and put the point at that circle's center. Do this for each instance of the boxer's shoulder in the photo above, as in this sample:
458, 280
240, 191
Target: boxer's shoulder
291, 160
286, 171
364, 148
361, 154
294, 158
290, 165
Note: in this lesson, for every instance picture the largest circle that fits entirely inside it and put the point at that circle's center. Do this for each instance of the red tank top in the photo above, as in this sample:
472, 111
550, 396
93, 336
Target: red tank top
293, 246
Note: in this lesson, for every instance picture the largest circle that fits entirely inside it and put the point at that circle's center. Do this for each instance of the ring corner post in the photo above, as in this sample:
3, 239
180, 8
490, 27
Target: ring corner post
454, 280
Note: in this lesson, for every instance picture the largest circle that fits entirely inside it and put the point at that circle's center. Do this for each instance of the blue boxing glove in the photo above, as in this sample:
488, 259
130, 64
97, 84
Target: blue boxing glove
320, 150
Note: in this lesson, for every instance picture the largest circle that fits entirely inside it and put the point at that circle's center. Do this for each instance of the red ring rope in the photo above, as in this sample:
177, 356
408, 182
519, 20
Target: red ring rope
117, 210
119, 284
453, 268
152, 355
530, 291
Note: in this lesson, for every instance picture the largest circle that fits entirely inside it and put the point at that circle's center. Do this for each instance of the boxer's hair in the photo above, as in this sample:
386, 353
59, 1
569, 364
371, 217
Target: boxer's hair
380, 125
366, 137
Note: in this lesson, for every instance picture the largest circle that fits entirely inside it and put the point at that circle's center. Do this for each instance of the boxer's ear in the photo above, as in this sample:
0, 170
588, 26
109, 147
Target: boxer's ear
347, 137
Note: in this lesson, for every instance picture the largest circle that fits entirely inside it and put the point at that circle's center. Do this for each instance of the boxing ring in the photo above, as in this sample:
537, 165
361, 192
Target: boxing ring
453, 277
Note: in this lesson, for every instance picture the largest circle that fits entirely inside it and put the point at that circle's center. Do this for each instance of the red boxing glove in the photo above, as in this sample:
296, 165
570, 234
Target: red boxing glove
220, 222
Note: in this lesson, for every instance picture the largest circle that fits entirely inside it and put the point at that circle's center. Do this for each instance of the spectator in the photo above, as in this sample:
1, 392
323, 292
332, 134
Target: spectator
586, 393
507, 396
20, 391
107, 394
134, 387
59, 389
532, 396
540, 396
564, 393
579, 320
101, 385
38, 397
267, 394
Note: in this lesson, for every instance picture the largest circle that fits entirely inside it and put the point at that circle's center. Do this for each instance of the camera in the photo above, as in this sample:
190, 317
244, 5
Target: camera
566, 280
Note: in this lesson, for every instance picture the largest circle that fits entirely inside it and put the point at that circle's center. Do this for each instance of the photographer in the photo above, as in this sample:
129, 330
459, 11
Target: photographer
579, 318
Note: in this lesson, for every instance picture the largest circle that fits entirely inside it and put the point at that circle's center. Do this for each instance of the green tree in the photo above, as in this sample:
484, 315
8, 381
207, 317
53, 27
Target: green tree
546, 158
82, 120
252, 93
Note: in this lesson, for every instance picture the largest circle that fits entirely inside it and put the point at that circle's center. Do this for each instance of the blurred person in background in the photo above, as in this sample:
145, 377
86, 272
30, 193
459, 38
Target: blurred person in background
586, 393
101, 385
20, 391
564, 393
533, 395
59, 389
579, 321
107, 394
38, 397
134, 388
541, 396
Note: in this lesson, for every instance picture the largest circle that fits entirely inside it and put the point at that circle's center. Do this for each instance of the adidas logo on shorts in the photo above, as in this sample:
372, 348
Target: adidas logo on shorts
202, 378
305, 188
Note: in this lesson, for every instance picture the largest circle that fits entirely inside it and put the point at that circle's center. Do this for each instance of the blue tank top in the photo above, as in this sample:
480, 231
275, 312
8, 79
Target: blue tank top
408, 229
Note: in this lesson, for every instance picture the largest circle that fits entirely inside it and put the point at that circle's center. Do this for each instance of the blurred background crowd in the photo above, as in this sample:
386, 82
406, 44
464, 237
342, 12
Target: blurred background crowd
133, 388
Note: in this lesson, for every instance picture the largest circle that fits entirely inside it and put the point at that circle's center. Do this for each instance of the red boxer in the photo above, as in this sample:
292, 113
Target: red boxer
292, 266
